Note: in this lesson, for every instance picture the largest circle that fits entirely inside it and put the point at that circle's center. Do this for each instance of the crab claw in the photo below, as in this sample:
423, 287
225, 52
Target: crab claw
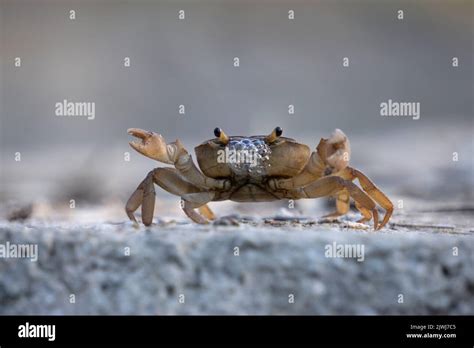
153, 145
336, 150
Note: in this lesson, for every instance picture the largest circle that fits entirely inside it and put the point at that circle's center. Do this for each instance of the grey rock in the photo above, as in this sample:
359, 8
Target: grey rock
274, 265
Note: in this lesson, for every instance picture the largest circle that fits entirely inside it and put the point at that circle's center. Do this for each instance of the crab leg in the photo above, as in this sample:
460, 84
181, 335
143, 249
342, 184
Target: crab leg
372, 190
342, 204
134, 202
331, 185
154, 146
198, 200
144, 195
366, 214
188, 209
207, 212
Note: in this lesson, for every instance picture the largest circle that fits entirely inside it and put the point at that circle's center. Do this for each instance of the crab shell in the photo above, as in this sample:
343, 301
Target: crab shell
286, 159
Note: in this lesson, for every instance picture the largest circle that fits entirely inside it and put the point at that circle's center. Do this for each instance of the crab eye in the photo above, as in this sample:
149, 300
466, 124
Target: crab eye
219, 133
273, 136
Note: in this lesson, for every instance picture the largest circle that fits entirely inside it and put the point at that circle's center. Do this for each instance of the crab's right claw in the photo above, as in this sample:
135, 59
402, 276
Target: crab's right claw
336, 150
153, 145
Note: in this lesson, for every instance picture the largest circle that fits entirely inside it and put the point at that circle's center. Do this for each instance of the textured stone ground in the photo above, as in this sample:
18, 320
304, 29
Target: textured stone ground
281, 267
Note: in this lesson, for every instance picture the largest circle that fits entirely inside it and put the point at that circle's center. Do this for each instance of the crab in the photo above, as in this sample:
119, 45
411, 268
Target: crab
253, 169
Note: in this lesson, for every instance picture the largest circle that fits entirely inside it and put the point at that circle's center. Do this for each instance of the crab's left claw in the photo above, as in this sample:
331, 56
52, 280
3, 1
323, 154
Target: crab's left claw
153, 145
336, 150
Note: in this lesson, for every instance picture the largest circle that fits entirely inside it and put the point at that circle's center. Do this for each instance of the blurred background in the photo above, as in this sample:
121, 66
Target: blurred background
190, 62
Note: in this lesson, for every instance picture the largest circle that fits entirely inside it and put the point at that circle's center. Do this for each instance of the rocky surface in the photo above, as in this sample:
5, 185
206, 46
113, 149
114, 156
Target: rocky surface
280, 267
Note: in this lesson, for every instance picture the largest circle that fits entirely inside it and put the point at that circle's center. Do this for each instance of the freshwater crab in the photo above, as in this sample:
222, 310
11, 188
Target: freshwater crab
253, 169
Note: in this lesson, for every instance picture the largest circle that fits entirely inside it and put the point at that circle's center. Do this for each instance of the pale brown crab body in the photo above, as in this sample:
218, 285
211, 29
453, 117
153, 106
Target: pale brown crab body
248, 183
253, 169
